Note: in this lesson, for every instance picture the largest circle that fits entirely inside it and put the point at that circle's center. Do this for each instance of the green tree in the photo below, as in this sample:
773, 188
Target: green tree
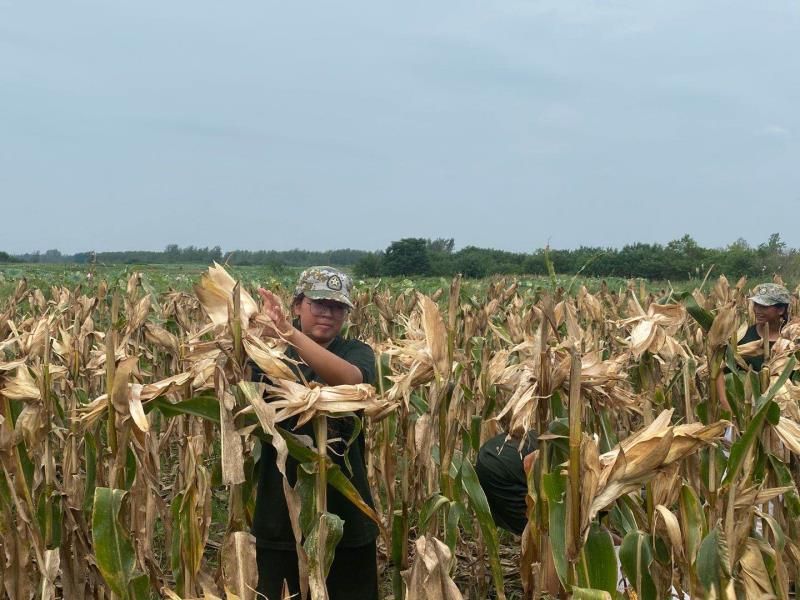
369, 265
408, 256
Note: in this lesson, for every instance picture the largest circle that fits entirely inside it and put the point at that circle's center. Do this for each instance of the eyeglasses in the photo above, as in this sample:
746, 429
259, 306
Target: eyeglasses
322, 307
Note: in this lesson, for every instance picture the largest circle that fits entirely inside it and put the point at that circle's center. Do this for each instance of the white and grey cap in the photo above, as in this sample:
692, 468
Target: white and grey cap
770, 294
325, 283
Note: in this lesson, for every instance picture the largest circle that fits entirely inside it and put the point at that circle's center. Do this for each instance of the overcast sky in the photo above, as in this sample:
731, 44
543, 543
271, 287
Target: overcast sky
273, 125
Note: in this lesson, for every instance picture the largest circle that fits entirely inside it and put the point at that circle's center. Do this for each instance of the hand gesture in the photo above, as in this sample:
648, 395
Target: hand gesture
272, 316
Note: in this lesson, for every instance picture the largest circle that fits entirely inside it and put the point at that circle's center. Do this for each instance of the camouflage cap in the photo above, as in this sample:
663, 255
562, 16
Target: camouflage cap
325, 283
769, 294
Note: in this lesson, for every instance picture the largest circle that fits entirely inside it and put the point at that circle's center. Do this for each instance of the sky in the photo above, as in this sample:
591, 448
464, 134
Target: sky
506, 124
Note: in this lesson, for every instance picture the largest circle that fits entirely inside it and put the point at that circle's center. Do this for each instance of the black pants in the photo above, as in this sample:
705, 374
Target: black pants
353, 574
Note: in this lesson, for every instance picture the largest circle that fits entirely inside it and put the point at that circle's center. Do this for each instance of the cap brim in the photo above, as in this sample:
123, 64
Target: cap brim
763, 300
329, 295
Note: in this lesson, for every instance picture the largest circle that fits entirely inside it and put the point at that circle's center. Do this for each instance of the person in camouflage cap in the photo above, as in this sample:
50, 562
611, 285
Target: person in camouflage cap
770, 294
325, 283
771, 310
319, 353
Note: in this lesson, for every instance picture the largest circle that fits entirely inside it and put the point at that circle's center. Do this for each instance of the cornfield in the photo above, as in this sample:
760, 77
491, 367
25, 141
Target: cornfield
129, 432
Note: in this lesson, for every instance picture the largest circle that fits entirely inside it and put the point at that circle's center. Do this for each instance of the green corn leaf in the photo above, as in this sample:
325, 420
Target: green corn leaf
399, 537
555, 488
608, 437
775, 387
636, 557
430, 507
307, 490
90, 452
176, 561
139, 587
205, 406
597, 564
579, 593
779, 538
480, 506
324, 535
704, 318
622, 518
790, 499
693, 521
455, 512
336, 478
742, 446
711, 559
113, 550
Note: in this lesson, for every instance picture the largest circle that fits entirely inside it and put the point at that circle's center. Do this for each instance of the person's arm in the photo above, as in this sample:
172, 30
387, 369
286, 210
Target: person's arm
332, 369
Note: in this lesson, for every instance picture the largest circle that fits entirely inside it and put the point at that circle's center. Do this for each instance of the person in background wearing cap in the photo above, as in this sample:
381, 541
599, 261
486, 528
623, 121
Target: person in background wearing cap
771, 308
320, 306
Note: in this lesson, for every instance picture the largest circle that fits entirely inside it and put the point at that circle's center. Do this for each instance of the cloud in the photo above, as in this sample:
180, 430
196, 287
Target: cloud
774, 131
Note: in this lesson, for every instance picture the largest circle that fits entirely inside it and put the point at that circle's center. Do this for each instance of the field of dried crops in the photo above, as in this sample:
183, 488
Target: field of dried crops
129, 431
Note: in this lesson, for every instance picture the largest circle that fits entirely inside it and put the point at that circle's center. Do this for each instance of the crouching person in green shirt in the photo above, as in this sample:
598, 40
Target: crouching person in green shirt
320, 306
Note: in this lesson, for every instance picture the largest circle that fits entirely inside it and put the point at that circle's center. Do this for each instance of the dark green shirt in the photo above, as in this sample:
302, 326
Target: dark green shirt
501, 472
271, 525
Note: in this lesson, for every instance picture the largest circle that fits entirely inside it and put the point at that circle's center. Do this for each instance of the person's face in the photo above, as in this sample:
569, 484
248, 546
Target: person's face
321, 320
768, 314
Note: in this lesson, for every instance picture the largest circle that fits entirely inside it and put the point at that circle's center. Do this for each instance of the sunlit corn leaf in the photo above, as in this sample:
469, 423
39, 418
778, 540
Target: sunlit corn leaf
293, 399
138, 397
215, 292
435, 335
653, 329
638, 458
723, 327
580, 593
743, 446
270, 360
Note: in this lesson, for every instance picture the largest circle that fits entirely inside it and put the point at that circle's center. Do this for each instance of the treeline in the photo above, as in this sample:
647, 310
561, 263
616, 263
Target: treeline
678, 260
174, 254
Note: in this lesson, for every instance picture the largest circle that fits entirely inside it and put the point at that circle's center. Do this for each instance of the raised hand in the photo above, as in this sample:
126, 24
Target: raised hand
272, 316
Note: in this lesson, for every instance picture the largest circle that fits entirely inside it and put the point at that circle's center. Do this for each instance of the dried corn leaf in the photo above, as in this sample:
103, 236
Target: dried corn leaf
294, 399
435, 336
789, 433
21, 386
215, 292
239, 570
270, 360
429, 575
